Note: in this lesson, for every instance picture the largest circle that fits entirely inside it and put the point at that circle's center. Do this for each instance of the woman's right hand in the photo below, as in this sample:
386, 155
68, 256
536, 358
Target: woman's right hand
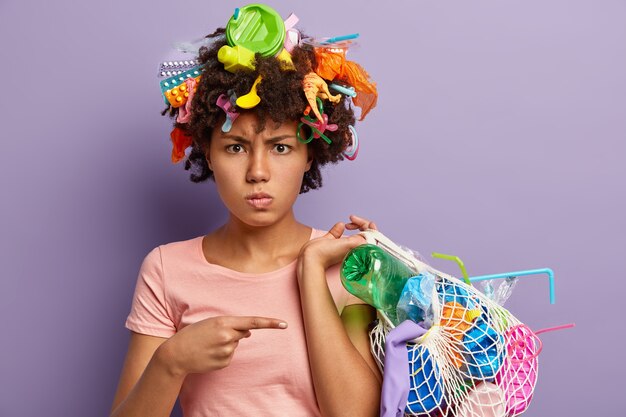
209, 344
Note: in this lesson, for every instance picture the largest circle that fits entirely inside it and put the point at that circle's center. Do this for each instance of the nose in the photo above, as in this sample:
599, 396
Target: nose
258, 168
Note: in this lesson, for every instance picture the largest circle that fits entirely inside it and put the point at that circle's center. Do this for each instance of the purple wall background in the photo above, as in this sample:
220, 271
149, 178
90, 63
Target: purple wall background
503, 144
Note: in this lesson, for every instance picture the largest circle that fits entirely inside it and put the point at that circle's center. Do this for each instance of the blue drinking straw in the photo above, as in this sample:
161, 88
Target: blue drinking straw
546, 271
340, 38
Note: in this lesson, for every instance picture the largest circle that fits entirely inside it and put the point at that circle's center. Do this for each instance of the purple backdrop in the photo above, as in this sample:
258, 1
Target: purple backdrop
503, 143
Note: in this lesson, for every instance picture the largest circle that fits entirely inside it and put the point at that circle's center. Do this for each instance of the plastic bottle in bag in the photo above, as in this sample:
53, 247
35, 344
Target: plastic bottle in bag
376, 277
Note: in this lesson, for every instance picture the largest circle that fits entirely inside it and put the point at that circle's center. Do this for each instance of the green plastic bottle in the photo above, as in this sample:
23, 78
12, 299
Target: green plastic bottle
376, 277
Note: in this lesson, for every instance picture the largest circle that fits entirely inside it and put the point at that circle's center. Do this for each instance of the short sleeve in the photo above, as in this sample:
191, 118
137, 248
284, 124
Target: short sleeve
149, 312
353, 300
340, 295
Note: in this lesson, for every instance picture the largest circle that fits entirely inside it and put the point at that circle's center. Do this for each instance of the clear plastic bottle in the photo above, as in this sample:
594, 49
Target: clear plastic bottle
376, 277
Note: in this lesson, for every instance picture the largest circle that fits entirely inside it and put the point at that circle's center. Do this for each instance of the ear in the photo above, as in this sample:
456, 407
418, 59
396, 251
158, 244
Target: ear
207, 156
309, 161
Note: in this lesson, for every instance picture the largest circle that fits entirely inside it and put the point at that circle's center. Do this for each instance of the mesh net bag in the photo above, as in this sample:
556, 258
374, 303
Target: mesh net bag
475, 359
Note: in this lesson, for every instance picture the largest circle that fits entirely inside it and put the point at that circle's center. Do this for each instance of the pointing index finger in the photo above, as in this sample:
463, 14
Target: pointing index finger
257, 322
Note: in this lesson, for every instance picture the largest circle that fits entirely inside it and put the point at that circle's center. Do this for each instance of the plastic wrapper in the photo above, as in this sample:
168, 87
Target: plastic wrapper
503, 291
415, 300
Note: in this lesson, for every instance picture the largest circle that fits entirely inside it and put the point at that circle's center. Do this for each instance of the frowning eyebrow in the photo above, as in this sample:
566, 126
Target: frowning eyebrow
241, 139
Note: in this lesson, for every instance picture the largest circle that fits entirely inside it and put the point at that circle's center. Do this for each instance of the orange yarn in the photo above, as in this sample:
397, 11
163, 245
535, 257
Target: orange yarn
181, 141
334, 66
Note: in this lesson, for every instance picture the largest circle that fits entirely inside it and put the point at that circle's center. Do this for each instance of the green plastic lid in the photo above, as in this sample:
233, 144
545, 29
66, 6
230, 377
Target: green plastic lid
258, 28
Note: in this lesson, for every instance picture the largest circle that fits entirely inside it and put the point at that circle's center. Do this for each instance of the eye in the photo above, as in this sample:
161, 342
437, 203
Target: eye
282, 149
234, 148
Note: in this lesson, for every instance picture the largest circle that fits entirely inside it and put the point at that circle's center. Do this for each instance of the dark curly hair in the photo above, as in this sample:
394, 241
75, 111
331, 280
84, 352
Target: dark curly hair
282, 99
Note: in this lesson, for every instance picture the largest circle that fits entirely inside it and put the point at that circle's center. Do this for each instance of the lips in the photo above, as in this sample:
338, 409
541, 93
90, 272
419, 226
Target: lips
257, 195
259, 200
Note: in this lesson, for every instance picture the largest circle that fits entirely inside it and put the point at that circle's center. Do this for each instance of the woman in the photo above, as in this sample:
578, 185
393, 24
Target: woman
252, 318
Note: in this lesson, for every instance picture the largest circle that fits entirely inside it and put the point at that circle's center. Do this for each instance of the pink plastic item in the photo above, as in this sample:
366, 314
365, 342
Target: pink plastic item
184, 112
292, 35
518, 375
224, 103
485, 400
321, 126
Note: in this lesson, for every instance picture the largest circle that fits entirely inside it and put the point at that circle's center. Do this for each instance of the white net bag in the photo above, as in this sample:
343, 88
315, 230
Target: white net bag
475, 359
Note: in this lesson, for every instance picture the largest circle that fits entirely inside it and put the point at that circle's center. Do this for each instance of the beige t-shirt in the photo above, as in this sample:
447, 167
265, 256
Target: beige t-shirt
269, 374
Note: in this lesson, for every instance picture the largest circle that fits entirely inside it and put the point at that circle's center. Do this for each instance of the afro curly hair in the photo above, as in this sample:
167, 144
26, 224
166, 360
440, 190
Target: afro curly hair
282, 99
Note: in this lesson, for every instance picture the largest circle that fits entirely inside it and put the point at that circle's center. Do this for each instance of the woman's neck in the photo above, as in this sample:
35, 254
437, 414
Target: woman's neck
263, 243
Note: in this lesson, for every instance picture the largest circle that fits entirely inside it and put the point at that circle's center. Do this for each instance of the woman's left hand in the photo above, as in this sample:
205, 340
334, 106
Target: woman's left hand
330, 249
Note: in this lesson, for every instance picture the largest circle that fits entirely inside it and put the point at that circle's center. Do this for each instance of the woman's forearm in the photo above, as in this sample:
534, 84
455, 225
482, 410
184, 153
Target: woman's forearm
155, 393
344, 383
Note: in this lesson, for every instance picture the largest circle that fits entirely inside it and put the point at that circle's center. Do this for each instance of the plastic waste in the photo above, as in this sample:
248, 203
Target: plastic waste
376, 277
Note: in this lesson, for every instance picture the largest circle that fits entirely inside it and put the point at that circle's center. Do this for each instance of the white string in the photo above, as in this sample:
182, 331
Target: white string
495, 378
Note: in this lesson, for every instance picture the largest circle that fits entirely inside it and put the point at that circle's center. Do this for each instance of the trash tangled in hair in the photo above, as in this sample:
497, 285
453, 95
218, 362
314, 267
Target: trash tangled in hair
282, 99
